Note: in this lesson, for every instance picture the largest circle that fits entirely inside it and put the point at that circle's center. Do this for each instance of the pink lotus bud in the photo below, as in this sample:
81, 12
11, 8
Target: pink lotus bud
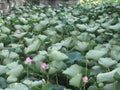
28, 60
17, 31
85, 79
43, 65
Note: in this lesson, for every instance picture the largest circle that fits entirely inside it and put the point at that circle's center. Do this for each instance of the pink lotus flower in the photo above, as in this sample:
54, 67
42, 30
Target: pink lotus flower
85, 79
43, 65
18, 31
28, 60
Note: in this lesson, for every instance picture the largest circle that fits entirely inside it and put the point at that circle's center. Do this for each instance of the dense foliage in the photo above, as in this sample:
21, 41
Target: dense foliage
75, 47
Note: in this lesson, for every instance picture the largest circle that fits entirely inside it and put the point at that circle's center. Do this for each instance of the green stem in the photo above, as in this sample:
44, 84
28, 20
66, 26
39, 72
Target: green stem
47, 77
57, 79
86, 68
84, 86
114, 85
27, 71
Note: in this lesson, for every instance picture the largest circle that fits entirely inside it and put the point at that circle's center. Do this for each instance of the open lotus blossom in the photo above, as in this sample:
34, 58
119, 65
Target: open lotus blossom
28, 60
18, 31
85, 79
43, 65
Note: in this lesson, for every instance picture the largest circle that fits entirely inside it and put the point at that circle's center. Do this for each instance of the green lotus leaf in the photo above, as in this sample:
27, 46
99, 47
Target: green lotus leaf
32, 83
84, 19
75, 33
7, 89
85, 36
3, 36
105, 25
81, 46
96, 70
38, 27
3, 69
107, 76
67, 42
27, 82
1, 46
18, 27
42, 37
106, 62
50, 32
40, 56
56, 46
117, 75
72, 70
58, 65
73, 56
37, 83
115, 27
17, 86
52, 70
3, 83
96, 54
5, 30
28, 41
33, 47
82, 27
76, 80
55, 38
67, 89
13, 55
7, 61
5, 53
16, 72
19, 35
112, 86
115, 52
11, 79
26, 27
59, 27
57, 55
93, 88
92, 29
12, 65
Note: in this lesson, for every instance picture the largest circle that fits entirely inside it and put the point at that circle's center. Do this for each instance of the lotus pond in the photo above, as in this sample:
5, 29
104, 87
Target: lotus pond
68, 48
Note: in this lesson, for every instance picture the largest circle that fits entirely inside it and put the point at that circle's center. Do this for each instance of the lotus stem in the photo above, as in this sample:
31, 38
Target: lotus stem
27, 70
57, 79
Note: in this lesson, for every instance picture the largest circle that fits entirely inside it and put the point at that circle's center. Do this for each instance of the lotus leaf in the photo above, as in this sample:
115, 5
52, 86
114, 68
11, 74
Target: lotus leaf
3, 69
17, 86
33, 47
11, 79
81, 46
115, 52
76, 80
107, 76
72, 70
57, 55
16, 72
107, 62
96, 54
5, 30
